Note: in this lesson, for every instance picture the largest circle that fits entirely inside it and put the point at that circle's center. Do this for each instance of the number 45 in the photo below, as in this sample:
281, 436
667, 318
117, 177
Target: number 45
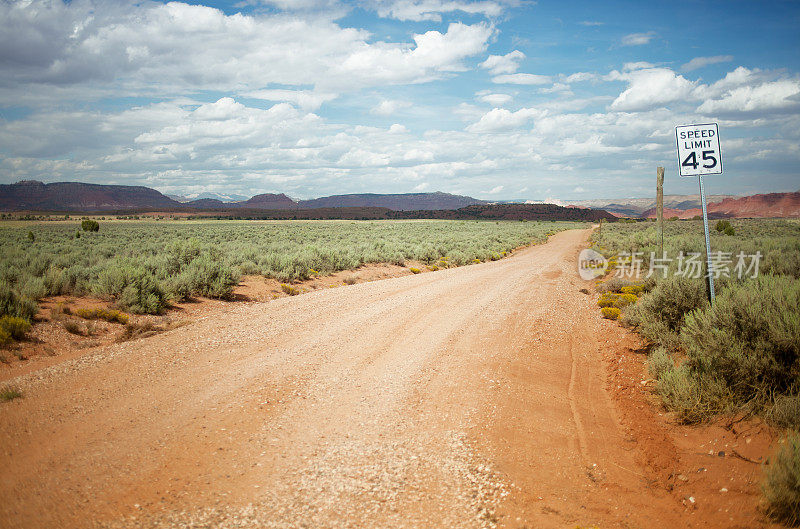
691, 160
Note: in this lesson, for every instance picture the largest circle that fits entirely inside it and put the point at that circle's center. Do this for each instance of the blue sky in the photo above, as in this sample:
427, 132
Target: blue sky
497, 99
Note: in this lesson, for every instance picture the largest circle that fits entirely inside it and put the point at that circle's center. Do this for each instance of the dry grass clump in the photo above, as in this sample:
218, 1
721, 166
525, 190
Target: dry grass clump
781, 485
610, 313
72, 327
134, 330
9, 393
111, 316
350, 280
289, 289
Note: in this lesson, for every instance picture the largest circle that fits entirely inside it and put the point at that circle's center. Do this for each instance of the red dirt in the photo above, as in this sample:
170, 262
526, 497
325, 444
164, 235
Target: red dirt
485, 396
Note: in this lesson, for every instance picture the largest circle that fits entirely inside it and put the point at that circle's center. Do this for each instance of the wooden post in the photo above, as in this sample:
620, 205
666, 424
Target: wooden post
660, 209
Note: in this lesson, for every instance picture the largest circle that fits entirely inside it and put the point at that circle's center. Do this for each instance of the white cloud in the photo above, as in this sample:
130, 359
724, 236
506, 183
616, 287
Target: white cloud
767, 97
559, 88
579, 77
419, 10
397, 128
305, 99
389, 107
641, 65
499, 119
495, 190
638, 39
521, 78
591, 23
701, 62
495, 99
421, 187
500, 64
156, 49
651, 88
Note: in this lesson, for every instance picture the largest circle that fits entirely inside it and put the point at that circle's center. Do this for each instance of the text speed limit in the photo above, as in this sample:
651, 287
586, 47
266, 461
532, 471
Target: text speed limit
698, 149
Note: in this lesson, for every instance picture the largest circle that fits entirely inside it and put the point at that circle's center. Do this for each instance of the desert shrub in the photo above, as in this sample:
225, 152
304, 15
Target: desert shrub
722, 225
614, 284
781, 485
5, 337
636, 289
205, 277
659, 362
31, 236
433, 268
13, 304
729, 231
132, 288
748, 340
607, 299
693, 400
785, 411
16, 327
415, 270
90, 225
624, 300
659, 314
787, 263
289, 289
611, 313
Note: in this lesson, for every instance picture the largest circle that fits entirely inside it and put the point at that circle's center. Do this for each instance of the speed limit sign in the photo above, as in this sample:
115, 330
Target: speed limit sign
698, 149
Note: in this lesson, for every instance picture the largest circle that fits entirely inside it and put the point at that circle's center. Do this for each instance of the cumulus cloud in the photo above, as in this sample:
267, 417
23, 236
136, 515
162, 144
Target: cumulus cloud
147, 49
651, 88
501, 119
638, 39
500, 64
389, 107
701, 62
521, 78
495, 190
764, 98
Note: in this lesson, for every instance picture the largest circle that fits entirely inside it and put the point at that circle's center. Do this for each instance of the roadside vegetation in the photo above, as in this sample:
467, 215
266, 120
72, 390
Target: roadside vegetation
740, 356
143, 266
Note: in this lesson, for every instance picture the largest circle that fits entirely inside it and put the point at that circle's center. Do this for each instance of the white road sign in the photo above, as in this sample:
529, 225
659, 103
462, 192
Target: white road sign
698, 149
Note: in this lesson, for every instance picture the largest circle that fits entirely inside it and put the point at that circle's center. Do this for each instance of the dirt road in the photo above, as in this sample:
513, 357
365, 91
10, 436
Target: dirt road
469, 397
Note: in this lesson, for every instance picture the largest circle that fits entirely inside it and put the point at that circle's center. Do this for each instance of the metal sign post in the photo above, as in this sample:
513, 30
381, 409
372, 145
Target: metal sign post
699, 154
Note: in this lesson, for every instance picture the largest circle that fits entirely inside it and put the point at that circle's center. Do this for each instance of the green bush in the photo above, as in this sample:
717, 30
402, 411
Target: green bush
722, 225
659, 314
781, 485
748, 340
90, 225
693, 400
659, 362
16, 327
132, 288
13, 304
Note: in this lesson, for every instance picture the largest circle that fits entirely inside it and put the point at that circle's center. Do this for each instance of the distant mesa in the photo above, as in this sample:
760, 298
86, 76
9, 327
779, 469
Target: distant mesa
755, 206
396, 202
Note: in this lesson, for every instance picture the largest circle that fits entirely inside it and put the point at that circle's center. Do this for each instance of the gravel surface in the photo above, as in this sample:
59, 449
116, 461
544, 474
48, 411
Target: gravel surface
468, 397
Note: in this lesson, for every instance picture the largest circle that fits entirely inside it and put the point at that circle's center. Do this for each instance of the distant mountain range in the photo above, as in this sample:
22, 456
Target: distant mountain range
92, 198
688, 206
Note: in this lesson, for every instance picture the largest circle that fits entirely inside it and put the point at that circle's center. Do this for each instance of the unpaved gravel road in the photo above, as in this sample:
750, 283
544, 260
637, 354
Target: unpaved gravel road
469, 397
